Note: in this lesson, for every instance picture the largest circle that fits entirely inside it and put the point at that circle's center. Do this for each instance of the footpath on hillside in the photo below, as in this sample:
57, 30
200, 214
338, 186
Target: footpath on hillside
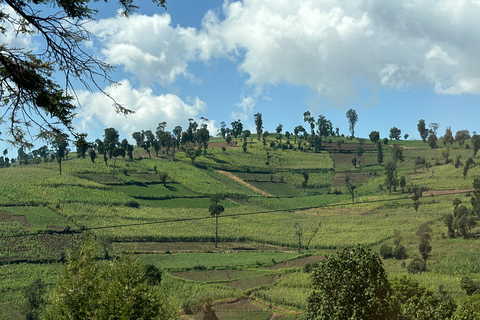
444, 192
248, 185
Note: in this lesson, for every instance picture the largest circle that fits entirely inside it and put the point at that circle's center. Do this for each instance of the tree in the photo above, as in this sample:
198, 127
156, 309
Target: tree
34, 296
258, 124
117, 152
422, 129
138, 137
307, 117
27, 85
374, 136
202, 137
279, 130
215, 210
163, 176
193, 154
297, 130
433, 127
82, 145
299, 234
111, 139
379, 153
475, 199
160, 129
305, 180
359, 152
391, 176
424, 232
59, 143
113, 289
350, 284
448, 139
461, 136
324, 126
237, 128
398, 153
432, 140
352, 120
93, 155
475, 143
395, 133
467, 165
350, 187
406, 136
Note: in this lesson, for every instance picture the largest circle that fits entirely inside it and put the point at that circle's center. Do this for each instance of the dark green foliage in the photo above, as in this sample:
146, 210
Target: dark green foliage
432, 140
153, 275
93, 155
424, 232
374, 136
193, 154
416, 266
469, 309
400, 252
464, 221
115, 289
391, 176
385, 140
397, 154
132, 204
352, 120
258, 124
34, 296
422, 129
416, 302
215, 210
305, 180
475, 199
379, 153
458, 163
469, 286
467, 165
475, 144
386, 251
395, 133
163, 176
110, 140
350, 284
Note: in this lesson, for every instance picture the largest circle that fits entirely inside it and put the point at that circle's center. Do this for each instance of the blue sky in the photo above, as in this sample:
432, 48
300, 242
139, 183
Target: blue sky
394, 62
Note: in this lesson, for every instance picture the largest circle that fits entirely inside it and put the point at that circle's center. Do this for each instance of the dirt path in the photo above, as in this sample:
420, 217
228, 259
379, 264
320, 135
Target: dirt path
248, 185
443, 192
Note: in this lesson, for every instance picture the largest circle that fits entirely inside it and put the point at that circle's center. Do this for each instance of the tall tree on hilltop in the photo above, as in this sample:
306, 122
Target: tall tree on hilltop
237, 128
307, 117
395, 133
475, 143
324, 126
461, 136
258, 124
448, 139
82, 145
352, 120
279, 130
422, 129
374, 136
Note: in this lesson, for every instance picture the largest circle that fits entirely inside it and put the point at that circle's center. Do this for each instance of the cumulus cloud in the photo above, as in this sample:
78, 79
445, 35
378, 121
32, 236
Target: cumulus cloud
246, 106
326, 45
97, 111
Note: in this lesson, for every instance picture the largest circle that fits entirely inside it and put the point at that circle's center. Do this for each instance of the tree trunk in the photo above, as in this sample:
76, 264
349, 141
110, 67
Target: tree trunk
114, 161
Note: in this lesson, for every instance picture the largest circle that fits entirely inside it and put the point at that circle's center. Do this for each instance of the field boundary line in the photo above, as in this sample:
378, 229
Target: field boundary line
248, 185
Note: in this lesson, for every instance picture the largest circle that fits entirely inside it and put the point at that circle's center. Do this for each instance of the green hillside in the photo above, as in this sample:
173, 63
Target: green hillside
269, 205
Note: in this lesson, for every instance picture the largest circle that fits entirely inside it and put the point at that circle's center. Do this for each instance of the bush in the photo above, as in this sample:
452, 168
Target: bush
386, 251
416, 266
400, 252
469, 286
132, 204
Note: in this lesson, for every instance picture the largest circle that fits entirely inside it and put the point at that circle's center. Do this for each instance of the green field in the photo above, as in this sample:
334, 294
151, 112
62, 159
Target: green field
43, 216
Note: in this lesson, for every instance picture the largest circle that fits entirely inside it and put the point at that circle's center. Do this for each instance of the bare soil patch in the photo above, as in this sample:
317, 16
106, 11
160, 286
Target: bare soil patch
444, 192
248, 185
6, 216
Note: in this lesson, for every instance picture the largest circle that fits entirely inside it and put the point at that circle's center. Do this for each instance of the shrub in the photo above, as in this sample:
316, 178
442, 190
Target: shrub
132, 204
386, 251
416, 266
400, 252
469, 286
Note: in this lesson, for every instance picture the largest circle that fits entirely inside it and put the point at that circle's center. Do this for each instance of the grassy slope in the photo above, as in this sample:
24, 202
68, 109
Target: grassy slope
87, 195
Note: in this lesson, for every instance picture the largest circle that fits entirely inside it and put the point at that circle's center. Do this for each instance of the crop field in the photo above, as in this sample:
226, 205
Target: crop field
256, 263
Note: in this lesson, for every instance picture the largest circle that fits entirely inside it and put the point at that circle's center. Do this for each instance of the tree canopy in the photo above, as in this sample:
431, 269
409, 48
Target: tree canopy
30, 94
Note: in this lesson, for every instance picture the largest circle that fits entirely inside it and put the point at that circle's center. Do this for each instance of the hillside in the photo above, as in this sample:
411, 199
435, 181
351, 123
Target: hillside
268, 203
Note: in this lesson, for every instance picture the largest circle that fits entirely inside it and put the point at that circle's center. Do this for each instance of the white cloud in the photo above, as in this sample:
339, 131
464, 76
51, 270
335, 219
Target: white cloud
246, 106
326, 45
97, 110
